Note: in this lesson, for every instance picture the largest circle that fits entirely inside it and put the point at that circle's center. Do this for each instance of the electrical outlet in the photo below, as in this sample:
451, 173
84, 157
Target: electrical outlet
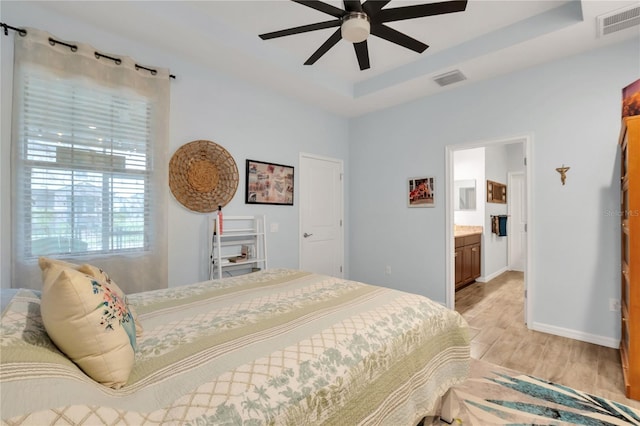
614, 305
387, 270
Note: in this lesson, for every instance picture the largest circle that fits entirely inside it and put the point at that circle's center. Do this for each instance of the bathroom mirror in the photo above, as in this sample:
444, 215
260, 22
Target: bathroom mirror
465, 194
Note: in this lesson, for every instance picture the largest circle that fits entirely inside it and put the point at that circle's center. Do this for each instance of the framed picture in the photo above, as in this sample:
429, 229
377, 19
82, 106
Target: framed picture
496, 192
268, 183
421, 192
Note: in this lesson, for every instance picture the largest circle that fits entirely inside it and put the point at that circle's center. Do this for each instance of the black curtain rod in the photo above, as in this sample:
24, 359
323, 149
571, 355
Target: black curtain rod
6, 27
74, 48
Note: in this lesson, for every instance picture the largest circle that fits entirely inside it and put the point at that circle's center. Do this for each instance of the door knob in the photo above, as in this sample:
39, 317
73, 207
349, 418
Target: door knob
306, 235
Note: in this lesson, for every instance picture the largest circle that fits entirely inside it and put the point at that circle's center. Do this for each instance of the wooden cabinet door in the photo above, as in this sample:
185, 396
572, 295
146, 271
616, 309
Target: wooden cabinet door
630, 239
467, 256
467, 259
475, 261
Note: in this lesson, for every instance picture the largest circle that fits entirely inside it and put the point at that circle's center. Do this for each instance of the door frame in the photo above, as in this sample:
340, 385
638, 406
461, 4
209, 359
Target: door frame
529, 282
510, 176
340, 163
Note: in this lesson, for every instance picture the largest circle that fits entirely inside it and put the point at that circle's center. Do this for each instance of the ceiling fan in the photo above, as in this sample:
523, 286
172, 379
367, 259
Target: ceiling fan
358, 20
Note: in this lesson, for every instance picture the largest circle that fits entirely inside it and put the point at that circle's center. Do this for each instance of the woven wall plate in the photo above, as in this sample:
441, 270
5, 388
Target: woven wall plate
203, 176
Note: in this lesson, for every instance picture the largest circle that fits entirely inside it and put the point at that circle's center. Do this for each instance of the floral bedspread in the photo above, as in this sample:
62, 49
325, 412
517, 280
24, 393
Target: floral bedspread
278, 347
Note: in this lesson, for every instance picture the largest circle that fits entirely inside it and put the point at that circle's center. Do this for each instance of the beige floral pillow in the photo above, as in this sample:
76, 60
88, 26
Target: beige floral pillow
88, 320
48, 263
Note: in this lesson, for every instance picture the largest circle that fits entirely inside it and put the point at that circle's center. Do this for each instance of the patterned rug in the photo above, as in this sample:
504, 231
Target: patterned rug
497, 396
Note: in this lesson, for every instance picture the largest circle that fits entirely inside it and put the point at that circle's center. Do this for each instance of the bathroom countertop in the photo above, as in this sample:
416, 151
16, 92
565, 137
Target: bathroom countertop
464, 230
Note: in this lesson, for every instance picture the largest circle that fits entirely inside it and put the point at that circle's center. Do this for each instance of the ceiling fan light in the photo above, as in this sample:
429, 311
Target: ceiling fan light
355, 27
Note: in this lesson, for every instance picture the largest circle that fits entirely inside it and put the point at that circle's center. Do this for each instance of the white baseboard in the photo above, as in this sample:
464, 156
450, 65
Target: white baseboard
576, 335
492, 276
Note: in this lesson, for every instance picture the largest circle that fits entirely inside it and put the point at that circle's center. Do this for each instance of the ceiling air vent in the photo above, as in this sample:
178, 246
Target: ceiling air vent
449, 78
618, 20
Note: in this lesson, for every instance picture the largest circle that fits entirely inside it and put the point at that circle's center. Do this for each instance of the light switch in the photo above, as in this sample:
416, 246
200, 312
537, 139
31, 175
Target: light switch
275, 227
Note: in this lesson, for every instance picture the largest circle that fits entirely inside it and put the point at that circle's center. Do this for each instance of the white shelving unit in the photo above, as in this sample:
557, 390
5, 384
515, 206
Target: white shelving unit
238, 232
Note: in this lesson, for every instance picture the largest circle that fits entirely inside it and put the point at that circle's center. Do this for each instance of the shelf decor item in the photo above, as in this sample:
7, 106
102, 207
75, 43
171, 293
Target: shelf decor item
421, 192
203, 176
269, 183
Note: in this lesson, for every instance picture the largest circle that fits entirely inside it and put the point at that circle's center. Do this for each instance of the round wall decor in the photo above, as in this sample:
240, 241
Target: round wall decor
202, 176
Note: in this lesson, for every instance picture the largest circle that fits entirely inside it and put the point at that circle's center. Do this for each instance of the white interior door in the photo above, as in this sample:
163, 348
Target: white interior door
517, 222
321, 215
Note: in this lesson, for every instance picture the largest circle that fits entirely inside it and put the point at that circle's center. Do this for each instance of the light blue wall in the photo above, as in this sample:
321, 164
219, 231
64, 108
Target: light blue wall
571, 108
249, 121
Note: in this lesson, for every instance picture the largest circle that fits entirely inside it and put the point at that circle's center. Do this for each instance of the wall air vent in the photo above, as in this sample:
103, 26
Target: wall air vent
618, 20
449, 78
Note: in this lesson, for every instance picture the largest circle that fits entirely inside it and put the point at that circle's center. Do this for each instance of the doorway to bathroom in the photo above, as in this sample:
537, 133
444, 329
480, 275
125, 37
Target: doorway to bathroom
500, 222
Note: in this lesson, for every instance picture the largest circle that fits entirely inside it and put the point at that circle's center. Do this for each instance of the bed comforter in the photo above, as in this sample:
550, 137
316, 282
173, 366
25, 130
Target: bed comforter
279, 347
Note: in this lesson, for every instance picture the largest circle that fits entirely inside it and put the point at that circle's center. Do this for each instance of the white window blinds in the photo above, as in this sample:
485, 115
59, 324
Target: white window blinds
90, 154
85, 153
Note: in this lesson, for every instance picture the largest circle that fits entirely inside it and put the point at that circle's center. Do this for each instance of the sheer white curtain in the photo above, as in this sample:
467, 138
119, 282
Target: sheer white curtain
89, 162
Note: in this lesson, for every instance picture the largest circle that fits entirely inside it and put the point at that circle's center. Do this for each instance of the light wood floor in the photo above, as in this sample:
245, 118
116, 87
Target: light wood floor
495, 313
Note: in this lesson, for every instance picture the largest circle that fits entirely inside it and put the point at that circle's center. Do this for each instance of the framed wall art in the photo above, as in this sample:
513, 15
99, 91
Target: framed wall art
268, 183
496, 192
421, 192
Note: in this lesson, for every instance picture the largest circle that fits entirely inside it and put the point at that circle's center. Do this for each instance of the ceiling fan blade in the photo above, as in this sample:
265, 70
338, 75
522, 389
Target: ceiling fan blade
352, 6
372, 7
421, 10
301, 29
397, 37
362, 53
331, 41
322, 7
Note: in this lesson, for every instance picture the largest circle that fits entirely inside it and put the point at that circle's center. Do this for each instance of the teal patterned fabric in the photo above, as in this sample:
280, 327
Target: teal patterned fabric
497, 396
589, 409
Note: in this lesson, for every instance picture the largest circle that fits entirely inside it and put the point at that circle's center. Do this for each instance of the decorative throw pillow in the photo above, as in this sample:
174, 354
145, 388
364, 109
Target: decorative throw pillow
89, 322
47, 263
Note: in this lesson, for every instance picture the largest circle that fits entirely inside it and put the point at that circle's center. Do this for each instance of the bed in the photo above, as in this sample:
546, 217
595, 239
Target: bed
276, 347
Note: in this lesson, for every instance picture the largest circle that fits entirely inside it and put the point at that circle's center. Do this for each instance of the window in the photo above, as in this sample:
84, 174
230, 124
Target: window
85, 151
89, 163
